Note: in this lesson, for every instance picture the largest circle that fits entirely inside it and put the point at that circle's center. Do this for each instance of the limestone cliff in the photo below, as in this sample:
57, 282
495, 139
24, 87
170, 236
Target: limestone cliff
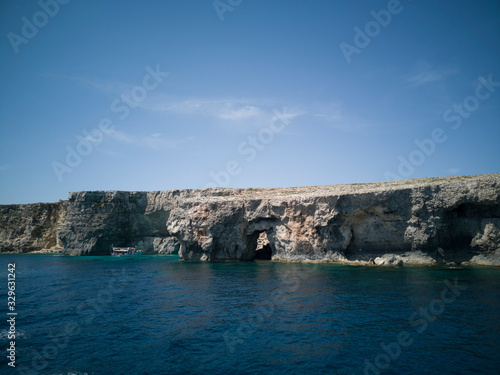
30, 227
412, 221
98, 219
455, 219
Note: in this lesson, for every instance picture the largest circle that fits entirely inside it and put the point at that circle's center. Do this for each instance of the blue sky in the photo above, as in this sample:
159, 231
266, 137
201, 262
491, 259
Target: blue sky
160, 95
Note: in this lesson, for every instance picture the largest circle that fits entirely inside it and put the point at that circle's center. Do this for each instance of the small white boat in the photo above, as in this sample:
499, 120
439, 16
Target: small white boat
124, 251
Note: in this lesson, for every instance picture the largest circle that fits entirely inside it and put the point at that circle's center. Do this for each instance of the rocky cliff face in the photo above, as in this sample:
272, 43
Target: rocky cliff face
413, 221
30, 227
96, 220
421, 221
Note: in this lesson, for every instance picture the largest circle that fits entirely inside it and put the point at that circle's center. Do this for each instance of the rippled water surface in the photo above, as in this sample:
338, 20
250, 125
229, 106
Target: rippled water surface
160, 315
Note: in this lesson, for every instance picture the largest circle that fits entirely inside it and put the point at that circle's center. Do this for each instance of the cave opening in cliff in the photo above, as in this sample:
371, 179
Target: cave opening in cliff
263, 250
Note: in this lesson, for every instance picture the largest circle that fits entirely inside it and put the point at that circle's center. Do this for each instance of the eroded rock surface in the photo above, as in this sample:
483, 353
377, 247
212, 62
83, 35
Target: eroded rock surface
30, 227
420, 221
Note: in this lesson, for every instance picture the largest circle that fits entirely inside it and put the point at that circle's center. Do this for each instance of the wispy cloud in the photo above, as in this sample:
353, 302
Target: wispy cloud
232, 114
108, 87
454, 171
155, 141
224, 109
4, 167
337, 117
121, 136
112, 88
331, 112
241, 113
425, 73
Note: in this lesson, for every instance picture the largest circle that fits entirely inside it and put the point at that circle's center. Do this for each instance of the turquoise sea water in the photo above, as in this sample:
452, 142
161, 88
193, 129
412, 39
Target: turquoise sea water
160, 315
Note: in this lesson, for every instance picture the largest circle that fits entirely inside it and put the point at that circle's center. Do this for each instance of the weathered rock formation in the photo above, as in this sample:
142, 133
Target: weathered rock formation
30, 227
420, 221
98, 219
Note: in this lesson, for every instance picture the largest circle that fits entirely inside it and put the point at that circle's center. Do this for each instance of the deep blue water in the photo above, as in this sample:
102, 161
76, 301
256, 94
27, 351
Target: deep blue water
160, 315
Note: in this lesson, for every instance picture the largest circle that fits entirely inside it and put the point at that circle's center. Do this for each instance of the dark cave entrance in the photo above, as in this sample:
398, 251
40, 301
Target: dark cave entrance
263, 250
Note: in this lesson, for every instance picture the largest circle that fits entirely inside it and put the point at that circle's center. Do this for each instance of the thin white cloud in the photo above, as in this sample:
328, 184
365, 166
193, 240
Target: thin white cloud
454, 171
329, 111
241, 113
108, 152
113, 88
424, 74
328, 117
224, 109
154, 141
335, 116
120, 136
106, 87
